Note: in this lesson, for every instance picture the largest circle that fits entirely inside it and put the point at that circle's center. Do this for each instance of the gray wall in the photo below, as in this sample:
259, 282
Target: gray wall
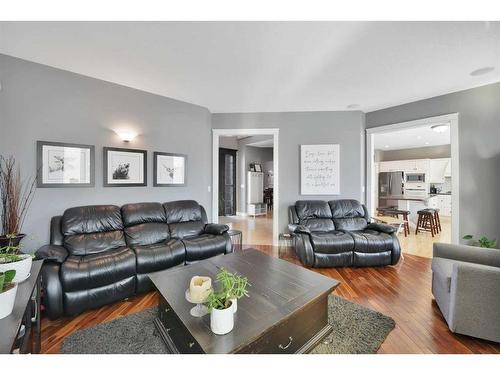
431, 152
296, 128
42, 103
479, 147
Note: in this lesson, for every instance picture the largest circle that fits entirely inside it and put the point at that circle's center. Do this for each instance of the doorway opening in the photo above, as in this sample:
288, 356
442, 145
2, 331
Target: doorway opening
245, 183
412, 180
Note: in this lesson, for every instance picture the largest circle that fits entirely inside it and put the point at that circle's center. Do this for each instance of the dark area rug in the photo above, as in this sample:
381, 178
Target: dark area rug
356, 330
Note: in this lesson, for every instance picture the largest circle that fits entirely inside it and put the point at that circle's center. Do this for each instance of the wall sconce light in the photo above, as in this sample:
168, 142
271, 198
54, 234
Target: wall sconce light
126, 136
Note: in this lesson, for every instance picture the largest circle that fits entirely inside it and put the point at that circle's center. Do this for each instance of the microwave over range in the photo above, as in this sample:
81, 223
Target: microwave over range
415, 178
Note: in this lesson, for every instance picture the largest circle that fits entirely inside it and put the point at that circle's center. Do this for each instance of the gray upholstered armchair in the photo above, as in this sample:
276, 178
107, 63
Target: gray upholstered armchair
466, 286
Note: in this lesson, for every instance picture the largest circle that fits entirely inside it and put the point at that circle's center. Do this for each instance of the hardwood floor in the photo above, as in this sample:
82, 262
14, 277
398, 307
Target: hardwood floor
402, 292
421, 243
255, 230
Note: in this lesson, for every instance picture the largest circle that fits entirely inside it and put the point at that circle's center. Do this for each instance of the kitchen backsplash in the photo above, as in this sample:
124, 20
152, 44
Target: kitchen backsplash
446, 186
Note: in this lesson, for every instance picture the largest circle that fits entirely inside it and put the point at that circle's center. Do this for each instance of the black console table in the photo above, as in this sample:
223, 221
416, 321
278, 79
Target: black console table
26, 313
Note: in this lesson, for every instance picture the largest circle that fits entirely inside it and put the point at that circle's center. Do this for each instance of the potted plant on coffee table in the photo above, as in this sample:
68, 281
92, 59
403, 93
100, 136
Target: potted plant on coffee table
222, 302
8, 290
16, 196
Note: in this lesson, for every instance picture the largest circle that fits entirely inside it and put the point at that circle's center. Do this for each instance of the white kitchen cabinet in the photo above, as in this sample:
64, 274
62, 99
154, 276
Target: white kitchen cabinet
422, 165
437, 170
392, 166
441, 202
407, 166
447, 169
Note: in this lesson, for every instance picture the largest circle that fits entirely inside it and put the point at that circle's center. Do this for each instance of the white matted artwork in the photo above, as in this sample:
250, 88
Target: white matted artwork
320, 169
64, 164
169, 169
124, 167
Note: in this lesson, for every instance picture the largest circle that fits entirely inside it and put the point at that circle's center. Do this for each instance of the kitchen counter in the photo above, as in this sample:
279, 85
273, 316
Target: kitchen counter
406, 198
412, 197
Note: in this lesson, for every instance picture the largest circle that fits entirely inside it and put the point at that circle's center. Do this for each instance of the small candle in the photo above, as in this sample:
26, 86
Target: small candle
199, 288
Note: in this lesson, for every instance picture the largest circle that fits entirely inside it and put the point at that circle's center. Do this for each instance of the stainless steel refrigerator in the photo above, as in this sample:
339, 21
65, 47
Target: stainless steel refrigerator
391, 184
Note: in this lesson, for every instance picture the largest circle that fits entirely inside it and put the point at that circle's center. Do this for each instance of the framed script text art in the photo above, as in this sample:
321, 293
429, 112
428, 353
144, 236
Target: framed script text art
125, 167
319, 169
64, 165
169, 169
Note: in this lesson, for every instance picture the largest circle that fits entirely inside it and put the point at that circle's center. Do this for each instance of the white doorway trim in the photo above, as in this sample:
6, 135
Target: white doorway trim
452, 119
216, 133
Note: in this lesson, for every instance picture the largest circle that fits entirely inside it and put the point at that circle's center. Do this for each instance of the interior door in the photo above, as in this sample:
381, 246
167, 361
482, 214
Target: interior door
227, 182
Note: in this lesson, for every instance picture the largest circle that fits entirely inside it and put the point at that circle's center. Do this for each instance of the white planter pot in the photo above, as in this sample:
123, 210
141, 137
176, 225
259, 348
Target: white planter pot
222, 321
234, 303
22, 268
7, 300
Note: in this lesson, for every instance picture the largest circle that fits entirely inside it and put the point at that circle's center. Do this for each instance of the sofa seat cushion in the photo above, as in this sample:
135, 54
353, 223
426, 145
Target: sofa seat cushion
333, 242
160, 256
204, 246
443, 268
96, 270
370, 241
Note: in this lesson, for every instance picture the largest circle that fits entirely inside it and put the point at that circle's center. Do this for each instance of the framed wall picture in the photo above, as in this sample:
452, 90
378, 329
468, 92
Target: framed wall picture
320, 169
124, 167
64, 165
169, 169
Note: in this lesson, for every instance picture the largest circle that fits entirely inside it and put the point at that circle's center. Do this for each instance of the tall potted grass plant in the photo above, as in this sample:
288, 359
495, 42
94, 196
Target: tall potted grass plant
16, 196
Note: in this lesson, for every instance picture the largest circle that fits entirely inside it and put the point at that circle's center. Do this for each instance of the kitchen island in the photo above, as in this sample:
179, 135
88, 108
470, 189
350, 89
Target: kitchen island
412, 203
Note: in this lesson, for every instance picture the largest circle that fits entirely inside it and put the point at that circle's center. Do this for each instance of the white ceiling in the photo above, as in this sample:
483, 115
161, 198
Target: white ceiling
269, 66
422, 136
264, 143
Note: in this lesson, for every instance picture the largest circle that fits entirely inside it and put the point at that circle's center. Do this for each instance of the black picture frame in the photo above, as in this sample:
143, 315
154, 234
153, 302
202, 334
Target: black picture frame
156, 183
107, 183
41, 172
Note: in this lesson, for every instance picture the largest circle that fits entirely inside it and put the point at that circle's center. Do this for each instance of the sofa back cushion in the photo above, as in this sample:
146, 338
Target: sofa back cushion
315, 215
348, 214
92, 229
184, 218
145, 224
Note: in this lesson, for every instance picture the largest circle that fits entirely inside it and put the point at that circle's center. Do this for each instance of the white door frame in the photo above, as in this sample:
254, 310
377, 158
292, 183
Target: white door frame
452, 119
216, 133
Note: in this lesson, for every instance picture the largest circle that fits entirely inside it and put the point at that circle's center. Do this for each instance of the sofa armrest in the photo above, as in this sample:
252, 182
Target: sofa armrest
54, 253
465, 253
216, 229
301, 229
384, 228
52, 297
474, 300
304, 248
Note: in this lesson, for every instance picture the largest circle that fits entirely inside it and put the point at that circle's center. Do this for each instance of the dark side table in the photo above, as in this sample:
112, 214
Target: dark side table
26, 313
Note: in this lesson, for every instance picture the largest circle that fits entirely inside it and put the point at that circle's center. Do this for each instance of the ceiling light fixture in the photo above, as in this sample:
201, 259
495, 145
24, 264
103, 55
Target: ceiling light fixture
482, 71
386, 146
440, 128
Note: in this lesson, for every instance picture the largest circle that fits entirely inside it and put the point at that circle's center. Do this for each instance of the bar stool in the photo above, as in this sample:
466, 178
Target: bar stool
395, 212
437, 220
425, 222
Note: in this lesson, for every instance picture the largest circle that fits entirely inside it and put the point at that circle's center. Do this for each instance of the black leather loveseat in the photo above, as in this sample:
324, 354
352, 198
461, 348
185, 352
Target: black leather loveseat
339, 233
101, 254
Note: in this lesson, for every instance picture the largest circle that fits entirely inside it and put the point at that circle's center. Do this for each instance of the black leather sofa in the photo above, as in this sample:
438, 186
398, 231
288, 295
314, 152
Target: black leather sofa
338, 233
102, 254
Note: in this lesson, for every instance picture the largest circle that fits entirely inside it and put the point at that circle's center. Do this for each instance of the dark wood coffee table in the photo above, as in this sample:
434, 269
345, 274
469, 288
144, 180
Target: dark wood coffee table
285, 313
